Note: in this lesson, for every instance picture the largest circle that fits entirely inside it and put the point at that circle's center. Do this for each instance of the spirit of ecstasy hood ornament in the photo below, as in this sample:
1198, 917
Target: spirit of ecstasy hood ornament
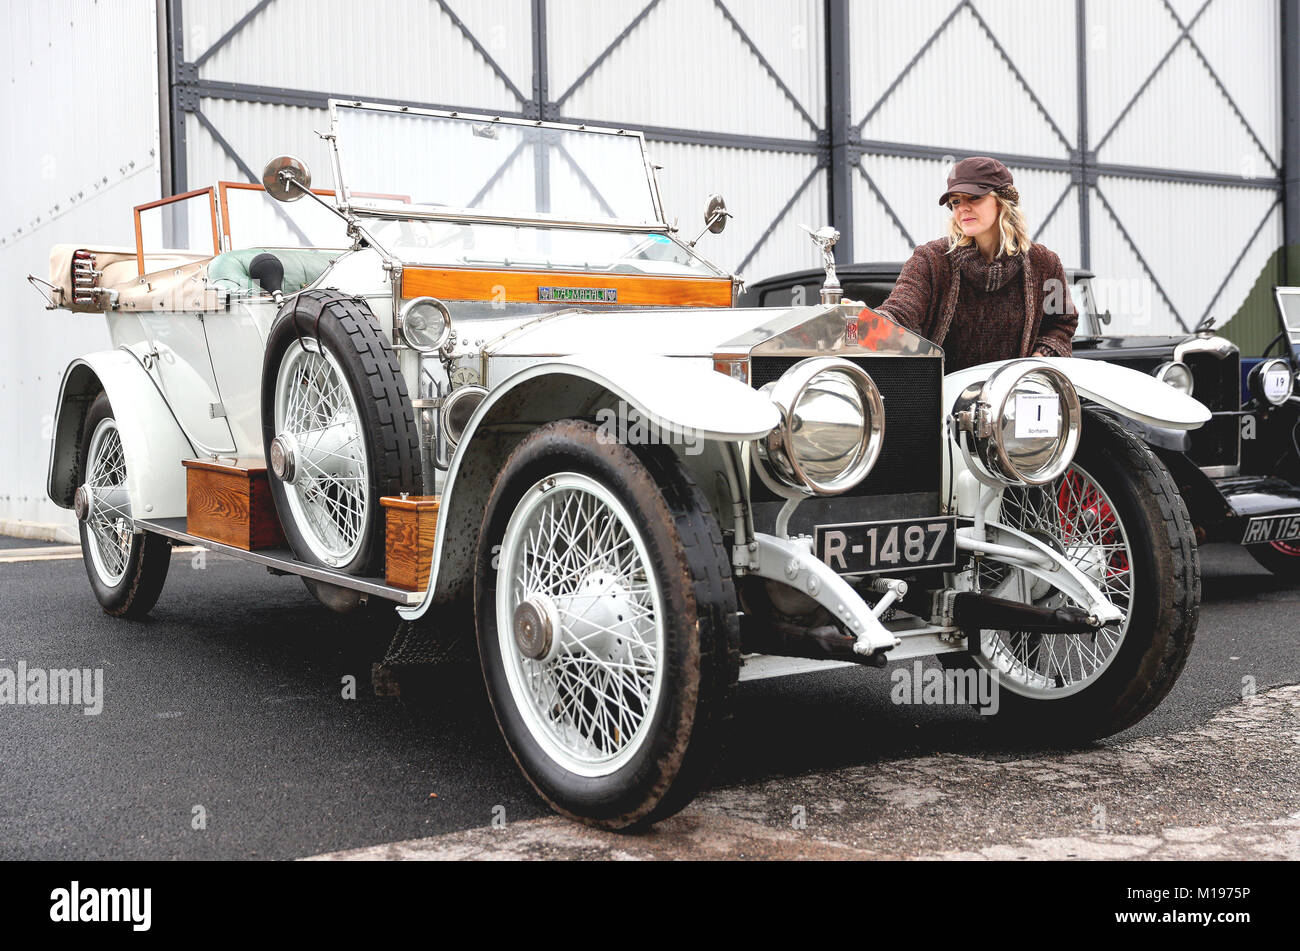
832, 292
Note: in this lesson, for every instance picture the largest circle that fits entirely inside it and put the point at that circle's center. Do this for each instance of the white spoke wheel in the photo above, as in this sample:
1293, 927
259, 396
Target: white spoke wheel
339, 433
1076, 517
580, 623
126, 570
316, 412
1117, 515
607, 624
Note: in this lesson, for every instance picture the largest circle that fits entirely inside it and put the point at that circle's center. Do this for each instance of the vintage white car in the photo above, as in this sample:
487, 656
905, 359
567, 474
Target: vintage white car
483, 367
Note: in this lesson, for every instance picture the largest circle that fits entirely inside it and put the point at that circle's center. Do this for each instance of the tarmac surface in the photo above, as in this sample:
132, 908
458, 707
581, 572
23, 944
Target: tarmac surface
228, 730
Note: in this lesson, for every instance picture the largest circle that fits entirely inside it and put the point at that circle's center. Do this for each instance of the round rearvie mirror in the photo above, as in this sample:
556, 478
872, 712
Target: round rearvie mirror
715, 214
280, 175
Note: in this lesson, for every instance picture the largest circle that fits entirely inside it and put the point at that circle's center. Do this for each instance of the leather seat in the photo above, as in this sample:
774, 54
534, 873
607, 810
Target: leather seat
302, 267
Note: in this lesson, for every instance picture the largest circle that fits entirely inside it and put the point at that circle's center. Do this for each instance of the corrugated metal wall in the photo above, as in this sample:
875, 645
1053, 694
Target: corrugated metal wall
746, 70
1144, 134
1178, 152
80, 117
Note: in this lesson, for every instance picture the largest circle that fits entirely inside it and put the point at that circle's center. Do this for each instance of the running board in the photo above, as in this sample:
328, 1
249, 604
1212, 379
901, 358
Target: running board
282, 560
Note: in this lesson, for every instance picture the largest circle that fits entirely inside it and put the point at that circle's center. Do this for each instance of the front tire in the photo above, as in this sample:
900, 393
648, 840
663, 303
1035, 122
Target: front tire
127, 570
607, 625
1118, 515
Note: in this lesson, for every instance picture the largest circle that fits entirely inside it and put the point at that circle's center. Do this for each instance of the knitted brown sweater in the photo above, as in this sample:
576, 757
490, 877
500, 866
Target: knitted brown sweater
980, 311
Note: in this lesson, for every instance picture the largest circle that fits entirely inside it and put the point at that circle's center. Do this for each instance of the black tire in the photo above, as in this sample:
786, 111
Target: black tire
136, 592
701, 660
1165, 608
347, 330
1280, 558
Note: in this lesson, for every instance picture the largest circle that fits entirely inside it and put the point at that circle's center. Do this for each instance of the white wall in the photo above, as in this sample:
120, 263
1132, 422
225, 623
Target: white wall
78, 147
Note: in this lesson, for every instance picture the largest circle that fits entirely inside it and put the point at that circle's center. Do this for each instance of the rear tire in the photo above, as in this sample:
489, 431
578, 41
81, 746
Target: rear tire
616, 721
127, 571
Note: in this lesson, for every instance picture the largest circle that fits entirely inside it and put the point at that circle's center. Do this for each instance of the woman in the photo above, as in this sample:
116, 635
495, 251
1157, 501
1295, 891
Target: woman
986, 291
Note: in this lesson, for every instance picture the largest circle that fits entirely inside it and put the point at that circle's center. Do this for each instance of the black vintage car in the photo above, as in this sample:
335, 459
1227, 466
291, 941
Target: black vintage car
1239, 474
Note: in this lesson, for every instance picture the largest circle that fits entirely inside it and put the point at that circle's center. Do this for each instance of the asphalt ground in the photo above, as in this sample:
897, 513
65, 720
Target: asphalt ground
225, 733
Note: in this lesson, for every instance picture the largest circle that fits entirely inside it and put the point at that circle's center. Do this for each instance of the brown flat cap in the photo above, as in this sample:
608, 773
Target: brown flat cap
977, 175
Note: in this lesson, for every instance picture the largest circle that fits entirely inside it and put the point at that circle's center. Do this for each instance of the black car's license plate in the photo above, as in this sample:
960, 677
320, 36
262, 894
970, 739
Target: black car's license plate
1272, 528
865, 547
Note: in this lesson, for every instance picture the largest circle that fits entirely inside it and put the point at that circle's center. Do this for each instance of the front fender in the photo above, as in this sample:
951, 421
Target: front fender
1127, 392
687, 402
152, 440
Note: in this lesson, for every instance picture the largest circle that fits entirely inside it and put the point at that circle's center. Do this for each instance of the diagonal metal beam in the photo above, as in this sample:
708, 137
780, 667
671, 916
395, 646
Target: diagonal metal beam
586, 181
482, 51
496, 176
231, 33
889, 210
1232, 104
780, 216
1052, 212
243, 167
762, 60
1024, 83
1141, 260
605, 53
1240, 257
1128, 106
889, 91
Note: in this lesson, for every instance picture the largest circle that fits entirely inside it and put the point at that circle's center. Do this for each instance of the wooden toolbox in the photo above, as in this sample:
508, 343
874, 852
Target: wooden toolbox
411, 526
229, 501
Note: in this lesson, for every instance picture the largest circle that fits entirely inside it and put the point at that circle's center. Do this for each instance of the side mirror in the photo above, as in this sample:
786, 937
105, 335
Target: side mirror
716, 215
715, 218
286, 178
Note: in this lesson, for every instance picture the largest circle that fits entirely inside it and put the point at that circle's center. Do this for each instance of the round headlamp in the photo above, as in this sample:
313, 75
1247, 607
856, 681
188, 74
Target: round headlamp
831, 430
426, 323
1021, 425
1177, 374
1271, 382
457, 408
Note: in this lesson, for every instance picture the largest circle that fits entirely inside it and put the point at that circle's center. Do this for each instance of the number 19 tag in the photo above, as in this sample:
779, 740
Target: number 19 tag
1037, 415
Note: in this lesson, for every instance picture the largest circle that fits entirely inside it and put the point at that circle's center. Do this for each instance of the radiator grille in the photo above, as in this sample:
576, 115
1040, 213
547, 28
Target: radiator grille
1218, 386
912, 388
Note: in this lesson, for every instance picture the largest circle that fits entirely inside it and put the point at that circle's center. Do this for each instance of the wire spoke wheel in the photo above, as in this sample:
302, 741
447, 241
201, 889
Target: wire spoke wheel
330, 498
1075, 516
110, 531
572, 556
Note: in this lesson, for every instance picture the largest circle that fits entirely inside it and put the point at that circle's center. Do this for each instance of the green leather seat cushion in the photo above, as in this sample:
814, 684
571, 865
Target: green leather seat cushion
302, 266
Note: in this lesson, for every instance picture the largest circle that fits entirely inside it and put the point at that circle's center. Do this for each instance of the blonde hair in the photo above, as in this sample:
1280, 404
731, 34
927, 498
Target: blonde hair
1011, 224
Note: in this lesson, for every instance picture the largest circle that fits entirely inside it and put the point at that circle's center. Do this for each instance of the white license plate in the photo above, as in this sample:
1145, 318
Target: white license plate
1272, 528
865, 547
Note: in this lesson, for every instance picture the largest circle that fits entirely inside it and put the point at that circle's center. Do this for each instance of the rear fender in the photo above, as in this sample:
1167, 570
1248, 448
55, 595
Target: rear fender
152, 440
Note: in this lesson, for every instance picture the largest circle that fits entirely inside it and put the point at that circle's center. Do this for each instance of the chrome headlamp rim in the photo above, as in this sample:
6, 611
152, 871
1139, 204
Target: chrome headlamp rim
404, 318
1161, 373
786, 394
451, 403
979, 413
1261, 371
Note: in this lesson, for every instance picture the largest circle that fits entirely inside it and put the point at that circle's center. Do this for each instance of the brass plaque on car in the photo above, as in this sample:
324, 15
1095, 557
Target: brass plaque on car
579, 295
